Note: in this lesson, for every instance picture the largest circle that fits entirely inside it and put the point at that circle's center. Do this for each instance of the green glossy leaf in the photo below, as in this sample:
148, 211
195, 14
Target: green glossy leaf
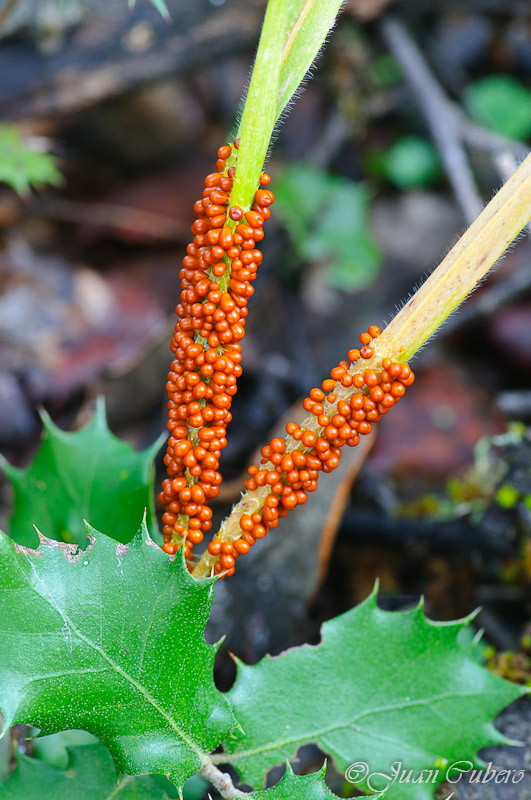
297, 787
23, 167
299, 193
110, 640
501, 103
380, 688
88, 775
88, 474
411, 163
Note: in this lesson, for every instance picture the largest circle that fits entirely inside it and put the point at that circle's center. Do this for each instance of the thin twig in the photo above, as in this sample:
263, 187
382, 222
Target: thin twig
124, 218
222, 781
481, 138
441, 120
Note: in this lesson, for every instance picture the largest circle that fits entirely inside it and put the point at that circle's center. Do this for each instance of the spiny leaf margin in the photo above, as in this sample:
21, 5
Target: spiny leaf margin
110, 640
88, 474
297, 787
438, 702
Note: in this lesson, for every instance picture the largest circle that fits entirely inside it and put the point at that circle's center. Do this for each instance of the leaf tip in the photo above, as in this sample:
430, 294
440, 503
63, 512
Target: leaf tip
471, 617
92, 534
219, 642
99, 418
152, 450
371, 601
8, 468
144, 534
47, 422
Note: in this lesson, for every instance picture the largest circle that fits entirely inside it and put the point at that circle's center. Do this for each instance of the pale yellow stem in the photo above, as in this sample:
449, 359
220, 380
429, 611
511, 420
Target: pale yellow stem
466, 264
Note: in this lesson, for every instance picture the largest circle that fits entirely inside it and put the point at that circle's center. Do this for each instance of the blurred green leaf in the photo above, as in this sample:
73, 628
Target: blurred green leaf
385, 70
23, 167
501, 103
89, 774
507, 496
54, 748
57, 748
299, 192
327, 219
412, 162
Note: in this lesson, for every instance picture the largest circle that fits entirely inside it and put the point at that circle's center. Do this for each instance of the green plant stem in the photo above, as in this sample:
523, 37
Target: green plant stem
292, 35
260, 111
309, 22
457, 275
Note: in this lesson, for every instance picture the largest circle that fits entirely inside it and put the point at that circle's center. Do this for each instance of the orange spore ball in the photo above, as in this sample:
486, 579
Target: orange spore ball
207, 354
236, 213
296, 471
224, 152
370, 377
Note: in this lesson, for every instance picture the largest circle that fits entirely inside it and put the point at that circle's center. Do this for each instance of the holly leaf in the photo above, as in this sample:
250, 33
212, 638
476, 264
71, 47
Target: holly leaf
23, 167
297, 787
381, 688
110, 640
87, 474
89, 775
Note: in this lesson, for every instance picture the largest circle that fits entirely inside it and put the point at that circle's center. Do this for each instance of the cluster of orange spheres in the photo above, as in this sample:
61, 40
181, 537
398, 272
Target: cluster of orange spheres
292, 471
216, 284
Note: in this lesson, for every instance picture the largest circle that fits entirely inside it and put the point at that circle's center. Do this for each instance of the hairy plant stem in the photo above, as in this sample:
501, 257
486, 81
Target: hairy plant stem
457, 275
260, 111
464, 267
292, 35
